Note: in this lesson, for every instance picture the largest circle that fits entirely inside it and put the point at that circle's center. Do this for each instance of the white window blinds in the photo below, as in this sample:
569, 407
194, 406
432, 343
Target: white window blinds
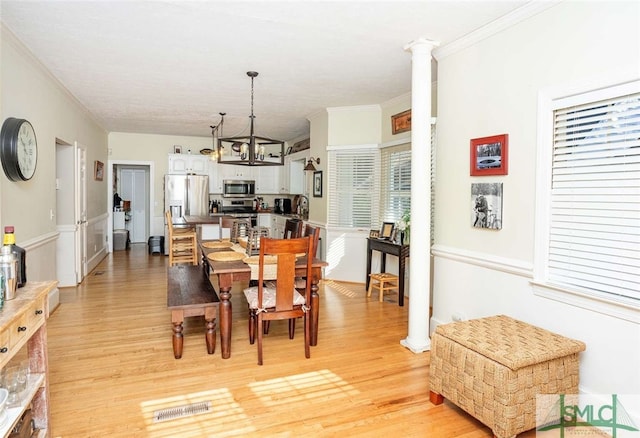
396, 181
353, 187
594, 234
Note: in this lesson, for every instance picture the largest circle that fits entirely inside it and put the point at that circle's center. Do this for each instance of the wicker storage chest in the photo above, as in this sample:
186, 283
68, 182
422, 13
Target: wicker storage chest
494, 367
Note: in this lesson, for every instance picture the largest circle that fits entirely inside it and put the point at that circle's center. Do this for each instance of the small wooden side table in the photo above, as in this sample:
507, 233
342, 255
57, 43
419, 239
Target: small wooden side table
388, 247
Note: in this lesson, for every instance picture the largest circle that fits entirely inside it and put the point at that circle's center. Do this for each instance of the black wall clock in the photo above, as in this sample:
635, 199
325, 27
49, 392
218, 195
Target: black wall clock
18, 149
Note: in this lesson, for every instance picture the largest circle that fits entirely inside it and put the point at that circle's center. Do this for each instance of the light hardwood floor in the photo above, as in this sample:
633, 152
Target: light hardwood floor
112, 365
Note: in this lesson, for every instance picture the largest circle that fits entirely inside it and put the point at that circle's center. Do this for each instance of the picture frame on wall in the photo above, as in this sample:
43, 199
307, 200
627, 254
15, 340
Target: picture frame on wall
317, 184
98, 171
489, 155
401, 122
486, 205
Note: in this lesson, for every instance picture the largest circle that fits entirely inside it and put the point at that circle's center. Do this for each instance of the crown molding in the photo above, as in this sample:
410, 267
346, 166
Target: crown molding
506, 21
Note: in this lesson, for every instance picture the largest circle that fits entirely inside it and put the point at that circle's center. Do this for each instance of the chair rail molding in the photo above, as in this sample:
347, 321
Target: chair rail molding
489, 261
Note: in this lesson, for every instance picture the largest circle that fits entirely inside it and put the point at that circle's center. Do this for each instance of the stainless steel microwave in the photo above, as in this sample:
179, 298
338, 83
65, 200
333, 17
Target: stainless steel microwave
233, 188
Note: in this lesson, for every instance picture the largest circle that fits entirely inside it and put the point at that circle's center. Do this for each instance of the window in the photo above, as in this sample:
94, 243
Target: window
591, 216
395, 181
353, 187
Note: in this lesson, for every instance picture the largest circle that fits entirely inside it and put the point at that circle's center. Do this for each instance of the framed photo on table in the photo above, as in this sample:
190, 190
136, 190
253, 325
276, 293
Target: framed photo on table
489, 155
386, 232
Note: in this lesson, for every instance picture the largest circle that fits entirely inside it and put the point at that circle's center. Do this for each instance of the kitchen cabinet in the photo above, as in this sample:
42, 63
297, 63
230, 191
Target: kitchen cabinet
277, 226
264, 220
230, 171
188, 163
296, 177
268, 179
292, 178
23, 324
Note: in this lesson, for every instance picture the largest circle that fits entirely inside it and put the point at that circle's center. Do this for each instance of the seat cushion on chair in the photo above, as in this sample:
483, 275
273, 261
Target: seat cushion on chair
268, 297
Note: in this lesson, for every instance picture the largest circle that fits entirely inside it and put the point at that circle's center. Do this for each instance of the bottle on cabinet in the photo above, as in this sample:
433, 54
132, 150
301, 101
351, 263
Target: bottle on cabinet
20, 253
9, 273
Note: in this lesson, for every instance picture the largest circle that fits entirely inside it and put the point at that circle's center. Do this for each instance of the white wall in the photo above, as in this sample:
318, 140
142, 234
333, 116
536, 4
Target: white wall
492, 88
345, 126
28, 91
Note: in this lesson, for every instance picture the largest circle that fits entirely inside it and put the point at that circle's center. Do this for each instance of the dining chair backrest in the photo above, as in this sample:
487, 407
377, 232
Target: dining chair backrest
226, 225
292, 229
314, 232
286, 251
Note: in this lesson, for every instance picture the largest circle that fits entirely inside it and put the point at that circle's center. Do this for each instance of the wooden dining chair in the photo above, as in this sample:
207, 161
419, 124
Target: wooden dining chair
292, 229
300, 282
183, 246
280, 300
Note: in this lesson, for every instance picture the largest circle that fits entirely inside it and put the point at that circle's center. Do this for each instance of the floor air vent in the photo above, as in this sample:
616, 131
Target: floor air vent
181, 411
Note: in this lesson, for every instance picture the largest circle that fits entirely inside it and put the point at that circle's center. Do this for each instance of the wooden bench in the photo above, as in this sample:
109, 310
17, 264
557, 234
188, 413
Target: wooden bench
190, 293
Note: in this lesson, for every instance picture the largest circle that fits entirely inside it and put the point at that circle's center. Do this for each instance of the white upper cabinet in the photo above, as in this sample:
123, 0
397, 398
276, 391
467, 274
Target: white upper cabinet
292, 178
188, 163
230, 171
268, 179
296, 177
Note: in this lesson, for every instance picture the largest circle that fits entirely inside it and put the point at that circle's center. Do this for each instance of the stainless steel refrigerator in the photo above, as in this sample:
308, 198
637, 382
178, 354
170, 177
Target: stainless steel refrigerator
185, 195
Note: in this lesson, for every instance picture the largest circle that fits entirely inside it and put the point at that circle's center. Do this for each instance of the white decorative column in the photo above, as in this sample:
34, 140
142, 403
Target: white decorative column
419, 255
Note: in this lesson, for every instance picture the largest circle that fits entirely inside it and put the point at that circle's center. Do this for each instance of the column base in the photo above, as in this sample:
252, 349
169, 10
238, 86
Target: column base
416, 348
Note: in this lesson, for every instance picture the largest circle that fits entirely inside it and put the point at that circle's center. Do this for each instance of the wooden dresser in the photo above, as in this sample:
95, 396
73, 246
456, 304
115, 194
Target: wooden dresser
23, 323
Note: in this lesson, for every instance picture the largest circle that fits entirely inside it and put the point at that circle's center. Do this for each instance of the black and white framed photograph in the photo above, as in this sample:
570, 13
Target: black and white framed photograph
317, 184
486, 205
177, 149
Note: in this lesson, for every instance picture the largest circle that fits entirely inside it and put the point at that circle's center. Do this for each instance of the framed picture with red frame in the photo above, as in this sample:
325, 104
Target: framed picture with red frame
489, 155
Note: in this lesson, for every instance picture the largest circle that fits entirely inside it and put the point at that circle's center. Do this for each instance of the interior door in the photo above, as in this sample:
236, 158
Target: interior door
81, 212
134, 188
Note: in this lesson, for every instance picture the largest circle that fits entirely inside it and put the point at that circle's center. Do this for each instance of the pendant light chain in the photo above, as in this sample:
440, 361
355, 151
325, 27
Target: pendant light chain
252, 75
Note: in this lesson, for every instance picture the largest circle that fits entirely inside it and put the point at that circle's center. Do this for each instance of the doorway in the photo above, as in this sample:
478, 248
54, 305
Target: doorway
71, 213
132, 184
132, 180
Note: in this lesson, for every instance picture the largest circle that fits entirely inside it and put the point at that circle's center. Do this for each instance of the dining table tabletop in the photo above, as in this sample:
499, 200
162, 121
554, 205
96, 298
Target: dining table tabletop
228, 272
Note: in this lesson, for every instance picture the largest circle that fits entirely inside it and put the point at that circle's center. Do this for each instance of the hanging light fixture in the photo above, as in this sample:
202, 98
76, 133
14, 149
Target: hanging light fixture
251, 150
216, 132
310, 165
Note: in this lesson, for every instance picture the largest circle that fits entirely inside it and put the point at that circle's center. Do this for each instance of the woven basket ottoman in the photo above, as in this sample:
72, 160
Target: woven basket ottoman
494, 367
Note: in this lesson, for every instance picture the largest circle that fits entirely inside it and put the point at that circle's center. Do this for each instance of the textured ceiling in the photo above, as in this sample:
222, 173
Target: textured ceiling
169, 67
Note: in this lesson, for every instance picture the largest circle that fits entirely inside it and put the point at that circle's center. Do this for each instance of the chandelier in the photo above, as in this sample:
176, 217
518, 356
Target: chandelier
250, 150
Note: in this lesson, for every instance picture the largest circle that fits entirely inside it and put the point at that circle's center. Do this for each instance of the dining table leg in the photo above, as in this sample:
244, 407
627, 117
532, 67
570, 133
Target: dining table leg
225, 315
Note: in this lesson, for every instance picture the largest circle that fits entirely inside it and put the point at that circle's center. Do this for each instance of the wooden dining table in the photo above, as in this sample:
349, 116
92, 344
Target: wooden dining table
228, 272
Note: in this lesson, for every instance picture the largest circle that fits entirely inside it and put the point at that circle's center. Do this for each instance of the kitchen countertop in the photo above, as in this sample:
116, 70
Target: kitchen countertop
293, 216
